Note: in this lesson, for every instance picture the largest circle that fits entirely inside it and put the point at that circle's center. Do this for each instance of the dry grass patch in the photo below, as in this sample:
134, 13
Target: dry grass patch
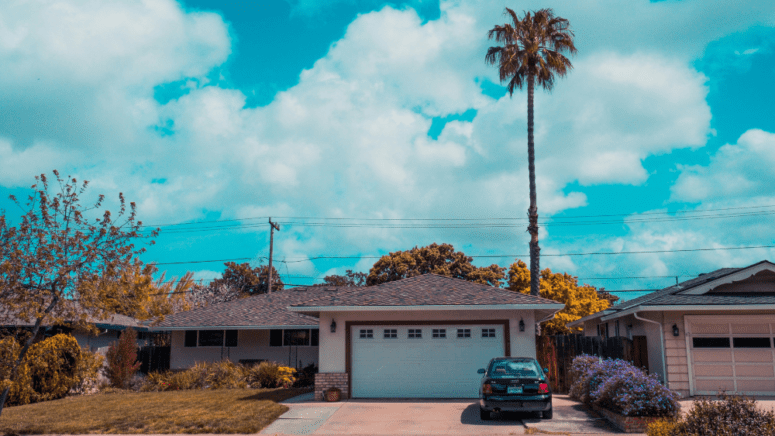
193, 411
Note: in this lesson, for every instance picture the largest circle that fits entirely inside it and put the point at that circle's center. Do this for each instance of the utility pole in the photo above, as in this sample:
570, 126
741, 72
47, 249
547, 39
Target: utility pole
273, 227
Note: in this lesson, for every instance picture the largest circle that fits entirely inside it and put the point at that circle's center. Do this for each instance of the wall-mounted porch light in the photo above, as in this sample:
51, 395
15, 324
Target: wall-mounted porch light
333, 326
675, 330
521, 325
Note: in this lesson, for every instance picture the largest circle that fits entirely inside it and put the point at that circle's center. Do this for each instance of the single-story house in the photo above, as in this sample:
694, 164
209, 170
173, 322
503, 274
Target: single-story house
247, 330
712, 332
108, 330
421, 337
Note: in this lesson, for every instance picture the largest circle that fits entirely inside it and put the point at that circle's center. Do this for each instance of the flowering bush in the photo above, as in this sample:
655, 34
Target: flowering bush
619, 386
631, 392
270, 375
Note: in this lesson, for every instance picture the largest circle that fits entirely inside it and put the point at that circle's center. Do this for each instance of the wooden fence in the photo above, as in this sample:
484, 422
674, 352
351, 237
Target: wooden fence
557, 352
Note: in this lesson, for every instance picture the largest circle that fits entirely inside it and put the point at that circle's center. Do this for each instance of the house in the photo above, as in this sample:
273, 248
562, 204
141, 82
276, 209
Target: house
421, 337
712, 332
108, 330
247, 330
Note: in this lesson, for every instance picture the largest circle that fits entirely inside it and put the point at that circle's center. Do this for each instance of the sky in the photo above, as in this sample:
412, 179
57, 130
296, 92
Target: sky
366, 127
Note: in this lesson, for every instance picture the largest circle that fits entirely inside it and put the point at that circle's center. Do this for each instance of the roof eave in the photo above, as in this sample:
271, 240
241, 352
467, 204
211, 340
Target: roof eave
237, 327
683, 307
454, 307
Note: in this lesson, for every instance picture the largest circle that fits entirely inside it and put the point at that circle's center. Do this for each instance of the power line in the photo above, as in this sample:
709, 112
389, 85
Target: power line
601, 253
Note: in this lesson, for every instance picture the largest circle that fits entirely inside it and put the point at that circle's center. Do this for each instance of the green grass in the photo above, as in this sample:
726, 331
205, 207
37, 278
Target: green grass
194, 411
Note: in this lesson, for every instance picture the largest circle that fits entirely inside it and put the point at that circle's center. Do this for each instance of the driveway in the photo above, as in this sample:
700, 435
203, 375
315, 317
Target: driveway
425, 417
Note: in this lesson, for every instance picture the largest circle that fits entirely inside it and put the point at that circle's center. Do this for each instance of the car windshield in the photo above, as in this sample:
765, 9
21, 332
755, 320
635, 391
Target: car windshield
515, 368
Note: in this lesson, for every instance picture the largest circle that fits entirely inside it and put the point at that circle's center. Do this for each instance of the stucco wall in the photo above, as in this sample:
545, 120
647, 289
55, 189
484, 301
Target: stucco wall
332, 345
251, 344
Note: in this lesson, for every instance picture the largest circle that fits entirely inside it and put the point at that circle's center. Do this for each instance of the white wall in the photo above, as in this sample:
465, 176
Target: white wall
251, 344
332, 345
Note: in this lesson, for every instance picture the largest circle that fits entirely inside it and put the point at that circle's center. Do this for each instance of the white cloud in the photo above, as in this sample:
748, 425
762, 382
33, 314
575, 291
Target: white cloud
742, 170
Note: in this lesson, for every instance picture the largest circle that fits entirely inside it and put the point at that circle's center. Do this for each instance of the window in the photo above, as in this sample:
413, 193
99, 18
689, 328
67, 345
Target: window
210, 338
710, 342
391, 334
367, 334
314, 337
190, 338
488, 333
296, 337
231, 338
415, 333
439, 333
275, 338
464, 333
751, 342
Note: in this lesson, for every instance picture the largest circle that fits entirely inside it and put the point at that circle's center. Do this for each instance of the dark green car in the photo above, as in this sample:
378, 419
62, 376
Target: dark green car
514, 384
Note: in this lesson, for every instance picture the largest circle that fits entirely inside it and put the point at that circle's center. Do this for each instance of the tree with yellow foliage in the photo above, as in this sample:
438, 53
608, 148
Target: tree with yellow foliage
69, 263
579, 301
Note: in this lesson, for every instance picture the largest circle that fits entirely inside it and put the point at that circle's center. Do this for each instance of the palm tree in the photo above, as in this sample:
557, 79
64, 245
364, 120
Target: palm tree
531, 52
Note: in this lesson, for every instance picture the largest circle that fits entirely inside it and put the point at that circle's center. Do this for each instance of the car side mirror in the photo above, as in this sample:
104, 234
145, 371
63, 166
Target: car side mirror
546, 370
480, 371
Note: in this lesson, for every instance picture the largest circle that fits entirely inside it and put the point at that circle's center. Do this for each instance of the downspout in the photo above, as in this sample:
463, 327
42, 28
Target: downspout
661, 344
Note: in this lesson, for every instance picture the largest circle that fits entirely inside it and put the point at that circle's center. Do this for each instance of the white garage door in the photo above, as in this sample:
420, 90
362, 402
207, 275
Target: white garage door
735, 355
437, 361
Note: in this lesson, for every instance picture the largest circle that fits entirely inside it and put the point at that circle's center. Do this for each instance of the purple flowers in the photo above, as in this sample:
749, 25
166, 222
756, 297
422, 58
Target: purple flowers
619, 386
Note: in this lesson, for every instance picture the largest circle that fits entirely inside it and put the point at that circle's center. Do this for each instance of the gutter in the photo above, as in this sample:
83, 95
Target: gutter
688, 307
661, 344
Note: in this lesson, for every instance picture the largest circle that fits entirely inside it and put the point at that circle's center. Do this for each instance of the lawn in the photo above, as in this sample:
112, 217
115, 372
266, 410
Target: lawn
194, 411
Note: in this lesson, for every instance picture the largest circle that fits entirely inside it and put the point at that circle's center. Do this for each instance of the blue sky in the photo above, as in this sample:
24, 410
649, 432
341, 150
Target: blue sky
662, 138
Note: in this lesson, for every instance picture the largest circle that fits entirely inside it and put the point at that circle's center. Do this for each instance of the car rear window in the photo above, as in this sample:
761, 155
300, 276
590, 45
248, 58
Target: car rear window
515, 368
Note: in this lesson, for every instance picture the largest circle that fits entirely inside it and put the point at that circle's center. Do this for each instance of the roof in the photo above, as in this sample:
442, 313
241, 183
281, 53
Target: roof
258, 311
674, 296
116, 320
423, 291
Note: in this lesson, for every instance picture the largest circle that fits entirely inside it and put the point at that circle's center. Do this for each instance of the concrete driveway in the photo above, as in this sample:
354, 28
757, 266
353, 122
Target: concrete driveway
425, 417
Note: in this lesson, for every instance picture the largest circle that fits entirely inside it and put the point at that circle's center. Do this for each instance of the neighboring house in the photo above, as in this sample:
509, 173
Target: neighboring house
709, 333
419, 337
248, 330
108, 330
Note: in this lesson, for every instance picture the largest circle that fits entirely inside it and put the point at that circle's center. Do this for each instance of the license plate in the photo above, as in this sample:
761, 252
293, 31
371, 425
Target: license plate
514, 390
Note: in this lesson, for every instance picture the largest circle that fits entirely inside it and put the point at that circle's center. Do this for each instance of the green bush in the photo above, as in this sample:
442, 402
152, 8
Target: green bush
306, 377
220, 375
49, 370
87, 371
730, 416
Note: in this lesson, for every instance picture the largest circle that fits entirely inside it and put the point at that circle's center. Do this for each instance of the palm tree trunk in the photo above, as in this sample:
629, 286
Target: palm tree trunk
532, 212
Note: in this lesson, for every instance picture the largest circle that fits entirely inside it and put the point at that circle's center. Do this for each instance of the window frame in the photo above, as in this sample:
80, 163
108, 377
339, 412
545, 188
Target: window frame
414, 334
313, 338
390, 334
439, 333
464, 333
489, 332
366, 334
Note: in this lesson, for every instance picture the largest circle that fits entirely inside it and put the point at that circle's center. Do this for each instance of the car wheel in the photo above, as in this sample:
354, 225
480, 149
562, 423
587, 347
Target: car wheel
484, 414
547, 414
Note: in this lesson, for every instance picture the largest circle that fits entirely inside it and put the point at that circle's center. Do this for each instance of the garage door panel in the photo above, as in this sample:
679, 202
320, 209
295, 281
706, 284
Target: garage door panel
712, 355
750, 329
755, 371
714, 386
762, 355
762, 386
713, 371
425, 367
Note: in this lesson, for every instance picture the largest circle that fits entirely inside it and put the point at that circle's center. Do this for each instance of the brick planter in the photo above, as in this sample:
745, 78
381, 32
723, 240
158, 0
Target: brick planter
627, 424
327, 380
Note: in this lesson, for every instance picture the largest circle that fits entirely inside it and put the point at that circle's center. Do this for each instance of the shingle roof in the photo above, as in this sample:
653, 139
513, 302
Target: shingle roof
116, 320
256, 311
425, 290
671, 296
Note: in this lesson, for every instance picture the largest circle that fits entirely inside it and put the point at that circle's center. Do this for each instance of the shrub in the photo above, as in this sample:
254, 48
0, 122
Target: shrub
306, 377
87, 371
49, 370
631, 392
122, 359
220, 375
170, 381
271, 375
731, 416
619, 386
662, 427
579, 368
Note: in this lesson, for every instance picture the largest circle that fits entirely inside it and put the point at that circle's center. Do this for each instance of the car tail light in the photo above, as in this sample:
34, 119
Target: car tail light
486, 388
543, 388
